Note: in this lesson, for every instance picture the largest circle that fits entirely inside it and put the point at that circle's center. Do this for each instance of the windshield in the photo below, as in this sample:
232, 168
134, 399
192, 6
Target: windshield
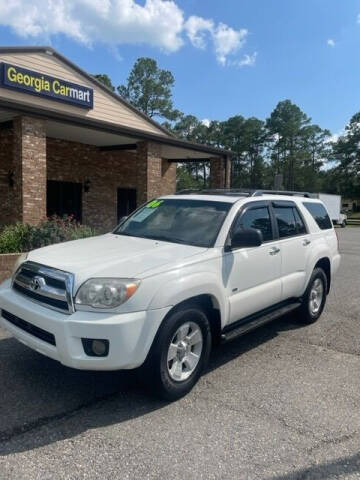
191, 222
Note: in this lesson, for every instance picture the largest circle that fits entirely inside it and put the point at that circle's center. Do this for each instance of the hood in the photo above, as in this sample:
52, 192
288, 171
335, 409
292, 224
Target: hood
112, 255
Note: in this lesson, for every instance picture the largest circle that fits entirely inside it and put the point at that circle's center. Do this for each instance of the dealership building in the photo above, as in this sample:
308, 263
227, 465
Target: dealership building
69, 145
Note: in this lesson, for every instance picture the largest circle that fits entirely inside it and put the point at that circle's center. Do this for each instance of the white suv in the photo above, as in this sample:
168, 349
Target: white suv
179, 273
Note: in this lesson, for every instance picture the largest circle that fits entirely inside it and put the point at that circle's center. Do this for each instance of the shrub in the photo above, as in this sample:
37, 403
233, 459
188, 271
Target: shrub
23, 237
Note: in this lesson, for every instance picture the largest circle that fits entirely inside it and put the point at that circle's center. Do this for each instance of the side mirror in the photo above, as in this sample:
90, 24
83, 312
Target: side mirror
246, 237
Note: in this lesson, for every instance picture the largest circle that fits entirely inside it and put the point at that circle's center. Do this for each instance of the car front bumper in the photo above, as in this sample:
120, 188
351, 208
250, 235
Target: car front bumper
130, 335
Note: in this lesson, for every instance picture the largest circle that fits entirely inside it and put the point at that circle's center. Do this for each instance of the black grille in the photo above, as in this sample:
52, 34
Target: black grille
53, 282
50, 287
41, 298
29, 328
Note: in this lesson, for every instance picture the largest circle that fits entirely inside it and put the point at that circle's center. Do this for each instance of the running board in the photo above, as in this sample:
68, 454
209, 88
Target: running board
247, 326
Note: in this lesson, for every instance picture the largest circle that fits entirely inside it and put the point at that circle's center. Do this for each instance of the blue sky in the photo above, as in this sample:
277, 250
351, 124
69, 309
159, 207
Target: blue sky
228, 57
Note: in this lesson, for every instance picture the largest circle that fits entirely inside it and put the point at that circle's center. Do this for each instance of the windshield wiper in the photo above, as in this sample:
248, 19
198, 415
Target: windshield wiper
161, 238
172, 240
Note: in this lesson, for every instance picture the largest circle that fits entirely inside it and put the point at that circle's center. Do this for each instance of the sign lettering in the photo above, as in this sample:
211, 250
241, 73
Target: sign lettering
27, 81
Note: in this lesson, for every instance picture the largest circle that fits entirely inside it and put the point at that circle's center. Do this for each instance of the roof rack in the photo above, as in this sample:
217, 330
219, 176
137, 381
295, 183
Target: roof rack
258, 193
241, 192
236, 192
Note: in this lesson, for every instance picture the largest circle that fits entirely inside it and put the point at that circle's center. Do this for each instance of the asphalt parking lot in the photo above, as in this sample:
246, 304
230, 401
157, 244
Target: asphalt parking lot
280, 403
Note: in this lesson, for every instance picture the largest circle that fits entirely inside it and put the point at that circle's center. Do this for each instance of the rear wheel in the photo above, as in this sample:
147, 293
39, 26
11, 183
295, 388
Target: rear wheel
314, 298
180, 352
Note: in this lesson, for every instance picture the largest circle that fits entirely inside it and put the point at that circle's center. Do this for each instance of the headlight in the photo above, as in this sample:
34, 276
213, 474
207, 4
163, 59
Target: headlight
19, 262
106, 292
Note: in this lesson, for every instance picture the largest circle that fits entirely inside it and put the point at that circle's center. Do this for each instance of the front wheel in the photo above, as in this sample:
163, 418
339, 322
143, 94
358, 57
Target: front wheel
314, 298
180, 352
343, 224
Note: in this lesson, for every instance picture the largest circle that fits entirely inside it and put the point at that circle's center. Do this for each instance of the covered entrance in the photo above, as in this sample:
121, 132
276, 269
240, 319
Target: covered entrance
97, 162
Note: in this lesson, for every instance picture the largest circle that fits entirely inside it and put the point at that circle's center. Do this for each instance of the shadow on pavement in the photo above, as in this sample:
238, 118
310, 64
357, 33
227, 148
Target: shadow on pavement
36, 391
327, 470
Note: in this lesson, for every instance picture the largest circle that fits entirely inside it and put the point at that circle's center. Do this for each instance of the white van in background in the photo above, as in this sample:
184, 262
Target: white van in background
333, 205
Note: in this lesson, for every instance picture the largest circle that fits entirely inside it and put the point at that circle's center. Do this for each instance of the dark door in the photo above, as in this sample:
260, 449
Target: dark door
64, 198
126, 201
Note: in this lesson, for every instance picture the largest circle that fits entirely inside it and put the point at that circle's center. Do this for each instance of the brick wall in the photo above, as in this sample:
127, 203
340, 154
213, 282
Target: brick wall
29, 163
6, 166
34, 158
7, 263
106, 172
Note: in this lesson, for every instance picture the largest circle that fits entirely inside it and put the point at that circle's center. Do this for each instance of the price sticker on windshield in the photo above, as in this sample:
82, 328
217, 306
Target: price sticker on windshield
154, 204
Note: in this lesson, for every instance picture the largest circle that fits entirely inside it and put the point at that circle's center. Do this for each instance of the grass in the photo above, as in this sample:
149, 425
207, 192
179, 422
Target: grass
354, 215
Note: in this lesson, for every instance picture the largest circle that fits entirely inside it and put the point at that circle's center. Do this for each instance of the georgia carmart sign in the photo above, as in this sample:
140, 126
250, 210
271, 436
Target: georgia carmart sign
35, 83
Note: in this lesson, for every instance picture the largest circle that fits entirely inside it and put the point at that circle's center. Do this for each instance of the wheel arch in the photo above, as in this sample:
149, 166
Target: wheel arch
324, 264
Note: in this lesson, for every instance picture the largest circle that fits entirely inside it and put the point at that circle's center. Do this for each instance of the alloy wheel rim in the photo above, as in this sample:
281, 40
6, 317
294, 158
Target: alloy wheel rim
184, 351
316, 296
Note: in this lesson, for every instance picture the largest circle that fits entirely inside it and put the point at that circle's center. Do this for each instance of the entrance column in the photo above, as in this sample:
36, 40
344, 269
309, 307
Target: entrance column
29, 163
155, 175
218, 177
228, 171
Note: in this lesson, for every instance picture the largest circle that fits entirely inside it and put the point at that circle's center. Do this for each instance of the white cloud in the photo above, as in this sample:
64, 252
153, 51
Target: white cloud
246, 61
331, 42
197, 28
335, 136
226, 40
206, 122
158, 23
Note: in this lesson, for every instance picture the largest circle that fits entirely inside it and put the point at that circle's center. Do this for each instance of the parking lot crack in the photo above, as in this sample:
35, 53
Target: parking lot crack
279, 419
325, 347
11, 433
333, 441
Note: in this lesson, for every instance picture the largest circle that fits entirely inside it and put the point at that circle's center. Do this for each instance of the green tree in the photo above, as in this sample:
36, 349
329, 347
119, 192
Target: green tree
105, 79
347, 151
247, 138
149, 89
286, 126
315, 150
192, 129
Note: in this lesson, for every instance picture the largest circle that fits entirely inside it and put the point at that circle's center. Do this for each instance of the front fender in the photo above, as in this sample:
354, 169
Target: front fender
189, 286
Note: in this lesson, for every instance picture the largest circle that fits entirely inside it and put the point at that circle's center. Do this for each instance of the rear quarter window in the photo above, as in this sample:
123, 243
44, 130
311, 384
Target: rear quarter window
319, 214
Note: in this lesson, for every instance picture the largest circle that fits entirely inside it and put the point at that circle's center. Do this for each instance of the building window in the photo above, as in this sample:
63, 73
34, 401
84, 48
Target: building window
126, 202
64, 198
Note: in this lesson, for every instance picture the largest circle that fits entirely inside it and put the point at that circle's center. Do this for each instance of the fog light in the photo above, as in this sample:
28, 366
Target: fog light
95, 347
98, 347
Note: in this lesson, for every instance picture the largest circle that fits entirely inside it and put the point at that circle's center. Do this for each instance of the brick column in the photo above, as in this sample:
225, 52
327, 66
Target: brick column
228, 172
217, 173
29, 163
154, 175
168, 174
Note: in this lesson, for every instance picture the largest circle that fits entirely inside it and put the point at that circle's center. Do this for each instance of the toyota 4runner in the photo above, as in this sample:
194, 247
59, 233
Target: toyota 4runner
180, 273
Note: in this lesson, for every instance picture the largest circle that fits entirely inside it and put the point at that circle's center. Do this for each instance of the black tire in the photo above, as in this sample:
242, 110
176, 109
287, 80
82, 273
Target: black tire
305, 313
343, 225
156, 369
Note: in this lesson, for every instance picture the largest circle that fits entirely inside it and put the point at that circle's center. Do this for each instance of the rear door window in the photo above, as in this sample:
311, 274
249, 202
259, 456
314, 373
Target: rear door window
319, 214
300, 226
286, 221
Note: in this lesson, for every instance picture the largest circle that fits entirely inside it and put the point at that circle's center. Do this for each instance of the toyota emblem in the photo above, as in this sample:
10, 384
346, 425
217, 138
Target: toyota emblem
37, 283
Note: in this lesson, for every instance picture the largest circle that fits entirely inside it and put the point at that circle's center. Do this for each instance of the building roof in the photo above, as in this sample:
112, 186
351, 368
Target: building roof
165, 137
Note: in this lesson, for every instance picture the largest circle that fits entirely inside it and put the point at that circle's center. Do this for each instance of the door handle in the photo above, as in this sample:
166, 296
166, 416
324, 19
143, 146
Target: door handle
306, 242
274, 250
